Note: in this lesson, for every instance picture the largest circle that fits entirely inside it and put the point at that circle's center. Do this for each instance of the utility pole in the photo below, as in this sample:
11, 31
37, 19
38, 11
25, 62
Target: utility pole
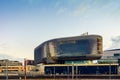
6, 69
25, 68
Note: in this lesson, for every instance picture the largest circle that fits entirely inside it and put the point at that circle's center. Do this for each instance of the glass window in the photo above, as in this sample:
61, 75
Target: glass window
77, 47
117, 54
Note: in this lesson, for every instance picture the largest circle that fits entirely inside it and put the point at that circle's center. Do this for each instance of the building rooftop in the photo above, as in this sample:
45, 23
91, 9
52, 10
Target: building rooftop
112, 50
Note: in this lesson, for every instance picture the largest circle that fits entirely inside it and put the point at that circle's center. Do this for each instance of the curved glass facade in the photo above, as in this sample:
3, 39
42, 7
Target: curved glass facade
71, 48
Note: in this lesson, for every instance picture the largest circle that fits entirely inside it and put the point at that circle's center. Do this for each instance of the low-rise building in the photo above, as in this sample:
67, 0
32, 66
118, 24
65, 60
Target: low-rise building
7, 62
111, 54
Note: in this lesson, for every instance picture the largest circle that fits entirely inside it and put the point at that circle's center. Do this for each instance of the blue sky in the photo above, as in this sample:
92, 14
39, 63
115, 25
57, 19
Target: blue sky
24, 24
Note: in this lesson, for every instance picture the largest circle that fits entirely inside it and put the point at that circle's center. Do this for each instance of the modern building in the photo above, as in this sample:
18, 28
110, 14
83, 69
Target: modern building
111, 54
73, 56
86, 47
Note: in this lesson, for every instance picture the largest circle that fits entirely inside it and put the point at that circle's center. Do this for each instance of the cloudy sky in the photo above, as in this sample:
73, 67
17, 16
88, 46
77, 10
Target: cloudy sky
24, 24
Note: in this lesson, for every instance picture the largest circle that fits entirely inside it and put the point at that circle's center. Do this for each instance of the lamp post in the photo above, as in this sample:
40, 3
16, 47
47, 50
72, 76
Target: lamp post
6, 69
25, 68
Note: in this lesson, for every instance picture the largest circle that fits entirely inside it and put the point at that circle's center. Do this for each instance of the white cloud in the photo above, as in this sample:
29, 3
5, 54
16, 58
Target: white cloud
82, 8
80, 11
57, 4
115, 42
61, 10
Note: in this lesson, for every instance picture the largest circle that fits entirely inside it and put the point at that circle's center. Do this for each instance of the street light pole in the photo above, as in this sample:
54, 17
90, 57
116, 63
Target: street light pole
25, 69
6, 69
